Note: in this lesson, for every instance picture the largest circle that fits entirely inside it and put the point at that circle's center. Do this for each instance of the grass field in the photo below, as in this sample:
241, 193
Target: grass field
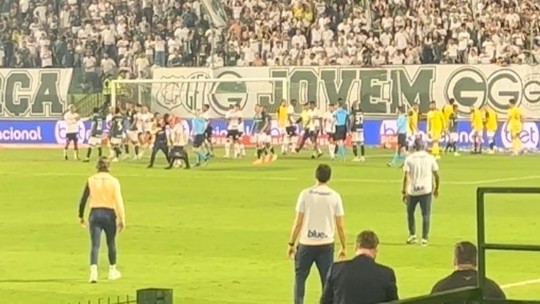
219, 234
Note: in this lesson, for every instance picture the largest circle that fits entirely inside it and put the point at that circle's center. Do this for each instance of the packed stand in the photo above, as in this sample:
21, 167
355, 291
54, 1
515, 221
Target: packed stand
101, 36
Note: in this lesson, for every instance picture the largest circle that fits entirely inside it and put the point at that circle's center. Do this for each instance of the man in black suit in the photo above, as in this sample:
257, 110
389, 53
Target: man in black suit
466, 275
361, 280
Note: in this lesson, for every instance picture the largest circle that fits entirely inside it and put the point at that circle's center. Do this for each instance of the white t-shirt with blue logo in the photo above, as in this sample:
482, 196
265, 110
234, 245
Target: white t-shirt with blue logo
320, 206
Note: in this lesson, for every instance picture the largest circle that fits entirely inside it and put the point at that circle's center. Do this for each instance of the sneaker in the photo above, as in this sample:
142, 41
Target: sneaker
258, 162
356, 159
114, 274
457, 154
390, 165
93, 274
424, 242
114, 160
491, 152
274, 157
86, 160
412, 240
362, 159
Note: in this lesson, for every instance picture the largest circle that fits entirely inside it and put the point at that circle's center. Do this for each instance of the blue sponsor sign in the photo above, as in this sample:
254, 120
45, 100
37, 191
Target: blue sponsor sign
54, 132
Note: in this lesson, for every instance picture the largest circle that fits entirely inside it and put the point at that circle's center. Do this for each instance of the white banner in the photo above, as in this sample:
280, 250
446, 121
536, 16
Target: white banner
380, 90
33, 94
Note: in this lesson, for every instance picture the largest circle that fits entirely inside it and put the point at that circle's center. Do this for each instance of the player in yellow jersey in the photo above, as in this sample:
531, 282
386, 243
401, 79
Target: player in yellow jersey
412, 121
477, 126
491, 120
435, 127
515, 126
283, 113
448, 110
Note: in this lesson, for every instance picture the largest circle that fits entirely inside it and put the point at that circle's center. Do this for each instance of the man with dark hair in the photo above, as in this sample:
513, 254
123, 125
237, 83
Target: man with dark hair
361, 280
107, 213
421, 172
161, 137
466, 274
319, 212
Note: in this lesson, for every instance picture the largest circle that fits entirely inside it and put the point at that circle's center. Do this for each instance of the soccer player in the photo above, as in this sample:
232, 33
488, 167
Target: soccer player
435, 127
178, 140
96, 133
161, 136
241, 131
233, 124
72, 131
199, 126
283, 122
329, 123
515, 126
262, 124
310, 119
117, 133
477, 126
420, 184
107, 213
413, 130
292, 135
208, 131
147, 124
357, 129
491, 125
402, 125
133, 130
453, 138
447, 112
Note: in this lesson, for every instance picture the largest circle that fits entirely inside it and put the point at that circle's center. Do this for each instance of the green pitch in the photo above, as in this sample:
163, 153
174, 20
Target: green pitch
219, 234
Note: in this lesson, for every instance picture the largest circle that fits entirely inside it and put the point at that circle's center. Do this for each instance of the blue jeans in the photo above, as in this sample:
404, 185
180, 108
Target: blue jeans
425, 206
102, 219
322, 256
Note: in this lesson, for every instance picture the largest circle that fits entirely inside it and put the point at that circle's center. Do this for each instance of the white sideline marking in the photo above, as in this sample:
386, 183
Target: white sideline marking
276, 178
519, 284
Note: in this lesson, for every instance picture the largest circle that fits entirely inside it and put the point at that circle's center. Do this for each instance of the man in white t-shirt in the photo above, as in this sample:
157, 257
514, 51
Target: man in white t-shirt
420, 172
178, 140
319, 213
71, 118
234, 119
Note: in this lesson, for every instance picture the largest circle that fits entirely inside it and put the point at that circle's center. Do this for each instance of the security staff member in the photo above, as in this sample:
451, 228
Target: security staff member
361, 280
106, 90
319, 211
107, 212
420, 169
466, 274
161, 138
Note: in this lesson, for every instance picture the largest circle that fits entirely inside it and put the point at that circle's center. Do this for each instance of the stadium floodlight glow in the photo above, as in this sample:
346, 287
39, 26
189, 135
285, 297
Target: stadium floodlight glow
179, 91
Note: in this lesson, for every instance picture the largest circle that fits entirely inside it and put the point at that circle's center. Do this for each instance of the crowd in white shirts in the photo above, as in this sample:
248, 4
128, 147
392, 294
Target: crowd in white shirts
136, 35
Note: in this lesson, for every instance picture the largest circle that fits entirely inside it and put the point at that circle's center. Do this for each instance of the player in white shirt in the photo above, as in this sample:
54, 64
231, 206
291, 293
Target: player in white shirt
316, 124
241, 132
234, 120
329, 123
178, 140
71, 118
147, 124
319, 214
420, 172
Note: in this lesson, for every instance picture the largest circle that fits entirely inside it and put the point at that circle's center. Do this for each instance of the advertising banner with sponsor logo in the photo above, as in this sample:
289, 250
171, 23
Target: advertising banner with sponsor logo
33, 94
380, 90
50, 132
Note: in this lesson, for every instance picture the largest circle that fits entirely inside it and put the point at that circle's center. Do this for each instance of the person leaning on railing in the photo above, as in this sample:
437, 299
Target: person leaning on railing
466, 274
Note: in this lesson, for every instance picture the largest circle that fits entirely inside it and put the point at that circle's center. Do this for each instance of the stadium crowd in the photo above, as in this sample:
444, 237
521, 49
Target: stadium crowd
137, 35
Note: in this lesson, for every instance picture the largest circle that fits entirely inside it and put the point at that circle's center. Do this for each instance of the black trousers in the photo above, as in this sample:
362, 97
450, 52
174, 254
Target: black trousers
159, 146
102, 219
306, 256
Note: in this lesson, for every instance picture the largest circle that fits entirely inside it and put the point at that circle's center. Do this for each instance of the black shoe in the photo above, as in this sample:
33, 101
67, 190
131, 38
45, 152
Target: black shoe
312, 156
168, 168
86, 160
65, 157
197, 165
187, 168
319, 155
150, 166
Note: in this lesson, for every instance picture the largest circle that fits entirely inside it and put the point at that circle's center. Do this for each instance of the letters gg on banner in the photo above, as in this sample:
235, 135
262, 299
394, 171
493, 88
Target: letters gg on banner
380, 90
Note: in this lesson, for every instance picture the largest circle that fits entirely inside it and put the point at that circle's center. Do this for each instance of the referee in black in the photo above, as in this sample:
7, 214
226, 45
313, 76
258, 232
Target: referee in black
161, 140
107, 213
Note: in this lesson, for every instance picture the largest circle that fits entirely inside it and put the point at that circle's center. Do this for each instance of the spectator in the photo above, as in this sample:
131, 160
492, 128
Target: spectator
361, 280
466, 274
